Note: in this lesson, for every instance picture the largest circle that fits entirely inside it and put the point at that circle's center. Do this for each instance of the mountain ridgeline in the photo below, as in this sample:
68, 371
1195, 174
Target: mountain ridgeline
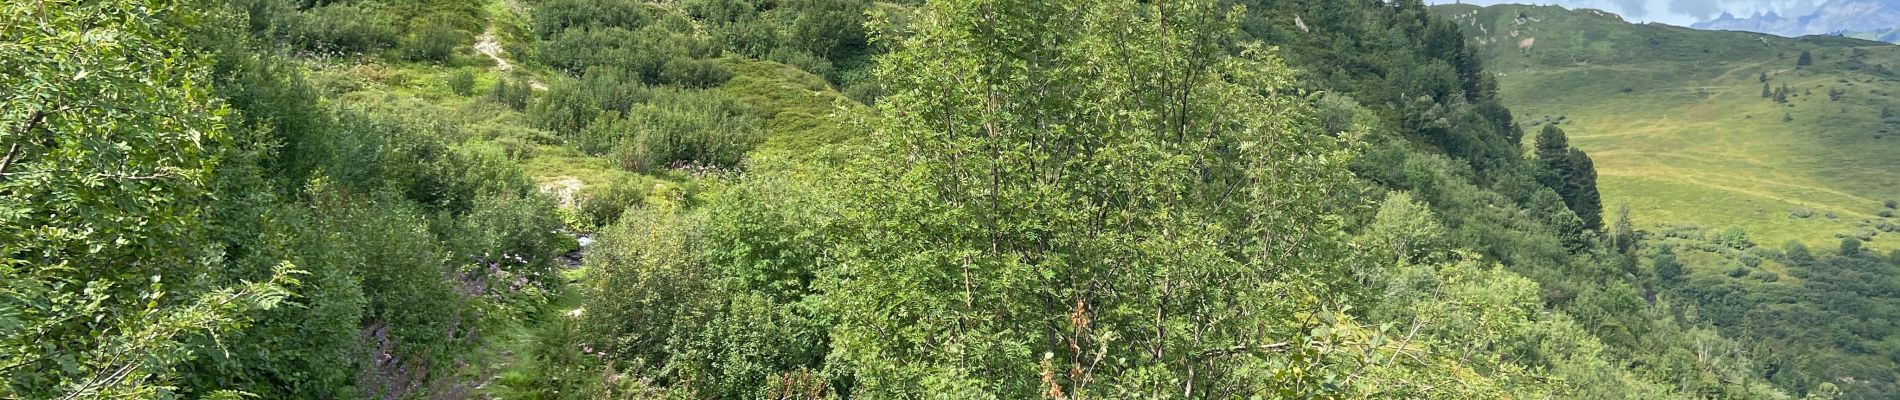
1865, 19
580, 199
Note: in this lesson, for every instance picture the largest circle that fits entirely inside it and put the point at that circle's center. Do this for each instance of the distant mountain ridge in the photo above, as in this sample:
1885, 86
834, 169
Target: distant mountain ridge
1866, 19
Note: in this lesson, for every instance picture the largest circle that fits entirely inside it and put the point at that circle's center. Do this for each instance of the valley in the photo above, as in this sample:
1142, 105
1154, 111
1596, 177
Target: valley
958, 199
1680, 130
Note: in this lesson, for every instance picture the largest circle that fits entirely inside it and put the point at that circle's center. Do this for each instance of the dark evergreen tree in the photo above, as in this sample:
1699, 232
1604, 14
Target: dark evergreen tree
1551, 150
1805, 59
1570, 172
1580, 190
1623, 233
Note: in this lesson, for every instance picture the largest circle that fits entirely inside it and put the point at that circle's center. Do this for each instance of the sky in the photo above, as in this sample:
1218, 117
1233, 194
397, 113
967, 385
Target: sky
1675, 12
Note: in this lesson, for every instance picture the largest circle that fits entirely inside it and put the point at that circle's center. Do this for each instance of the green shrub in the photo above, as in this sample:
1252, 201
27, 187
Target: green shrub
1734, 238
748, 37
642, 53
864, 92
646, 287
803, 60
1801, 212
462, 82
708, 128
515, 93
603, 207
342, 28
571, 105
605, 133
827, 28
431, 39
632, 154
691, 73
511, 225
555, 16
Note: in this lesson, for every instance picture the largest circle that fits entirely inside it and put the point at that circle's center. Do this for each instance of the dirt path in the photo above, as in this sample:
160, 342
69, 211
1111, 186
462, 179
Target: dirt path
487, 45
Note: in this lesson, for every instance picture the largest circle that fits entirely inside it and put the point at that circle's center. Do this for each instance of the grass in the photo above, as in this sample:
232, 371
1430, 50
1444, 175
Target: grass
802, 112
1676, 123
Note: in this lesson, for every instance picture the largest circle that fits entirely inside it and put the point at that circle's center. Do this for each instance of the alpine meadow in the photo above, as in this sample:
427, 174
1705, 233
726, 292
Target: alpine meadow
945, 199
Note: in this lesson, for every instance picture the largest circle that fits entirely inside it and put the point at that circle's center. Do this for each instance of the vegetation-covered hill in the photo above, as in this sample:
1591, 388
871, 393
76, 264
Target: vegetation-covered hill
1741, 156
1693, 127
838, 199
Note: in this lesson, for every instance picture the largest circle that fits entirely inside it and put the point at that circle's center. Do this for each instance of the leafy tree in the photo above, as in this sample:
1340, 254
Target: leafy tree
1406, 230
1805, 59
995, 211
105, 153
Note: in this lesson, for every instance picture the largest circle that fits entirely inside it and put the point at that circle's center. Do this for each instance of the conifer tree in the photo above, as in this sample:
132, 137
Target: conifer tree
1571, 173
1623, 233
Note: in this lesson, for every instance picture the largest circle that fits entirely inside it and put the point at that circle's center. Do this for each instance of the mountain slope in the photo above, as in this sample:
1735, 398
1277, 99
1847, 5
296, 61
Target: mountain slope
1678, 124
1756, 170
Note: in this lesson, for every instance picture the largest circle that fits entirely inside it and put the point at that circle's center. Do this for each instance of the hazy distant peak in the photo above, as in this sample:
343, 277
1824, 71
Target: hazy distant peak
1846, 17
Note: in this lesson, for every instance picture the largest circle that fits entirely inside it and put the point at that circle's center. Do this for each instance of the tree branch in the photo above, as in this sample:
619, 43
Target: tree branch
13, 151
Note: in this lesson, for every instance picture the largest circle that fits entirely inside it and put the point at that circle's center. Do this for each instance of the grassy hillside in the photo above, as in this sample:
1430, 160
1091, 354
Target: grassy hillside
1678, 126
1098, 198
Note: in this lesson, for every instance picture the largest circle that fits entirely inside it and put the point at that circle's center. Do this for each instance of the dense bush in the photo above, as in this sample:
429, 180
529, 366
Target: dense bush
803, 60
646, 129
555, 16
431, 39
515, 93
693, 73
603, 207
1734, 238
641, 54
831, 29
571, 105
344, 28
704, 128
461, 82
647, 285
